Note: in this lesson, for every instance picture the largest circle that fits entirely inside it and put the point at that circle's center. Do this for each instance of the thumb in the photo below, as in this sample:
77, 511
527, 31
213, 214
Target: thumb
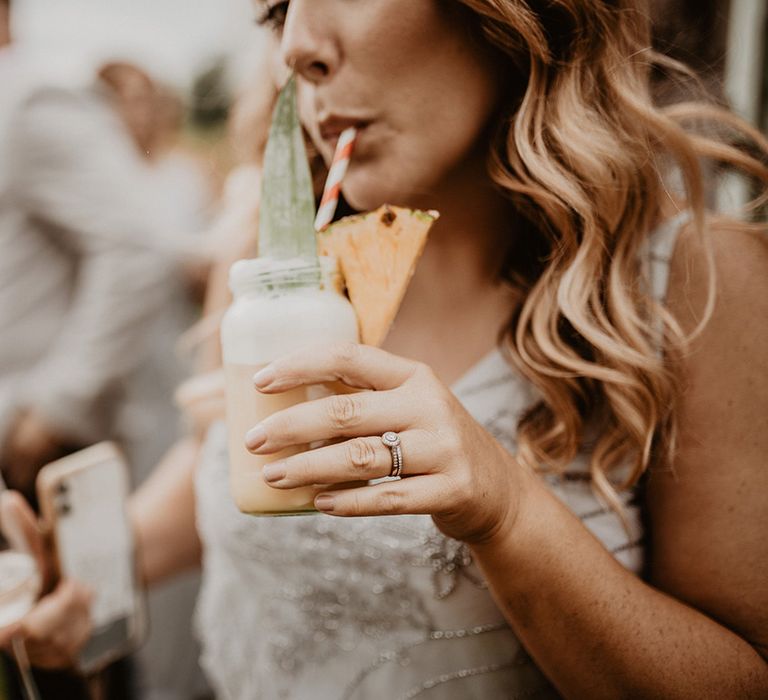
20, 526
6, 636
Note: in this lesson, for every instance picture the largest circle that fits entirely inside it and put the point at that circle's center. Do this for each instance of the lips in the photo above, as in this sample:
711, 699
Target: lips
331, 127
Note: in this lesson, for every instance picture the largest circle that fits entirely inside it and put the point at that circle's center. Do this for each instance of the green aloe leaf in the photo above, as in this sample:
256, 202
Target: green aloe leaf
286, 228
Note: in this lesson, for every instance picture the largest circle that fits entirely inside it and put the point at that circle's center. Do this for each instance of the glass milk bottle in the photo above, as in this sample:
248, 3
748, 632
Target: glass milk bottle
279, 306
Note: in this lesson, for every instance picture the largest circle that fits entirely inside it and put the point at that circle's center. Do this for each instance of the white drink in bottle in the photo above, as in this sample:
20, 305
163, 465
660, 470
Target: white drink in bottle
285, 300
280, 306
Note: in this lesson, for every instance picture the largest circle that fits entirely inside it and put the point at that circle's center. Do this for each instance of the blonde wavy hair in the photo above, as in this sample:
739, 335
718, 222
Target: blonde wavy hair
581, 149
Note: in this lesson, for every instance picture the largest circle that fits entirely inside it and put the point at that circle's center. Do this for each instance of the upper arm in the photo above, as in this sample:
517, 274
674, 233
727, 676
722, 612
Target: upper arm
162, 511
708, 511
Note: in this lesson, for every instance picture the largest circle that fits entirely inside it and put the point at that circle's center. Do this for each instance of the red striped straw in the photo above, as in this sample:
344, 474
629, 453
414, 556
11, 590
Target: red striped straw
338, 170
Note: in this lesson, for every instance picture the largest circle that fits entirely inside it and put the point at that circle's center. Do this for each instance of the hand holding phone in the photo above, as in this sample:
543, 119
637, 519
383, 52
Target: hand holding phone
83, 500
53, 630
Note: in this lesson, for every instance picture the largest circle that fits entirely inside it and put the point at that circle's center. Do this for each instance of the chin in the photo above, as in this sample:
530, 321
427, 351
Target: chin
365, 189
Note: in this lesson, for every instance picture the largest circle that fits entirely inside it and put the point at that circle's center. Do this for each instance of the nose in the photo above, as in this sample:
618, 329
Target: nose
308, 45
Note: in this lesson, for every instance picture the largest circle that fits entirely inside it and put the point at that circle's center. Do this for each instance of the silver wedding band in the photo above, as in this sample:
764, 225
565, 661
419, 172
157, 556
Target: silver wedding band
392, 441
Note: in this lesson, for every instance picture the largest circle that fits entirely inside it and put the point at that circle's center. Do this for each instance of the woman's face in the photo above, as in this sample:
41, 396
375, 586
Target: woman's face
406, 73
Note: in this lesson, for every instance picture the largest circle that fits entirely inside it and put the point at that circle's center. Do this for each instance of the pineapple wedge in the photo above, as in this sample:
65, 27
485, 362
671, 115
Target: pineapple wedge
377, 255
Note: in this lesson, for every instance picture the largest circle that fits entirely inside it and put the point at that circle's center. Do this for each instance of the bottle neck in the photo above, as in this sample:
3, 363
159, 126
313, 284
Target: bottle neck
270, 277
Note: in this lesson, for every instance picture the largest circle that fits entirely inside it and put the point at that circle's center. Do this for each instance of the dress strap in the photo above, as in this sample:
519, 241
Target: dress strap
656, 257
658, 251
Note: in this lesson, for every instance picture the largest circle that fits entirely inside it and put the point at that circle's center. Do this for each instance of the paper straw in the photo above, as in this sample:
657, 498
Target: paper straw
338, 170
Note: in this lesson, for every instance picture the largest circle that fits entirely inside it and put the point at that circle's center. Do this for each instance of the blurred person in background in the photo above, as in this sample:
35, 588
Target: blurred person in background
92, 293
183, 182
82, 272
154, 114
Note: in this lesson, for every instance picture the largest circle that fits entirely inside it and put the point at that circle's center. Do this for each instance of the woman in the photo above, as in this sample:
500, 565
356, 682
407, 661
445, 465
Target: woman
557, 264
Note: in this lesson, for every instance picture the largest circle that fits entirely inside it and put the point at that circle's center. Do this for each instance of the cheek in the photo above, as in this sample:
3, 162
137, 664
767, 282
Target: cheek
431, 144
396, 171
439, 103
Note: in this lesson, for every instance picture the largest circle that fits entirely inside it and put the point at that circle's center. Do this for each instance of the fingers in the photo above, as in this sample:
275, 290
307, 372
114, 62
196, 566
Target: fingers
361, 459
204, 387
345, 415
359, 366
7, 634
413, 496
21, 527
58, 627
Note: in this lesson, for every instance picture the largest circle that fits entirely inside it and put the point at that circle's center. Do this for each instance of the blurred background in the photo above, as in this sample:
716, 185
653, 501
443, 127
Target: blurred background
176, 40
201, 50
725, 42
176, 173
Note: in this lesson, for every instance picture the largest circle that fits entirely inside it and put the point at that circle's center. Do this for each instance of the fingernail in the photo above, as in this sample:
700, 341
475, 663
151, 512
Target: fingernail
255, 438
264, 377
274, 472
324, 503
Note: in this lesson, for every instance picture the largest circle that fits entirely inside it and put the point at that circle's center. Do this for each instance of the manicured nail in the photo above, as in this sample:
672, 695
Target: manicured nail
324, 503
274, 472
255, 438
264, 377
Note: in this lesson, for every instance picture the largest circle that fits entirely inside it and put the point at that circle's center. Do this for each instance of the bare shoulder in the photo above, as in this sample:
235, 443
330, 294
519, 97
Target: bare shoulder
708, 512
741, 259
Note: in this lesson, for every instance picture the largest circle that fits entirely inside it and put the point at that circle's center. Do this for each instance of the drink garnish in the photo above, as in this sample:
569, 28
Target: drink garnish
377, 254
287, 214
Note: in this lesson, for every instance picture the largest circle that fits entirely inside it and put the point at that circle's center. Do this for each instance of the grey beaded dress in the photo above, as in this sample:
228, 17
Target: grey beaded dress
316, 607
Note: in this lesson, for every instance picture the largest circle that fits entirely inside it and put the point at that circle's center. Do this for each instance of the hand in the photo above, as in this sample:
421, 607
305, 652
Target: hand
31, 437
453, 469
30, 444
56, 629
201, 398
59, 625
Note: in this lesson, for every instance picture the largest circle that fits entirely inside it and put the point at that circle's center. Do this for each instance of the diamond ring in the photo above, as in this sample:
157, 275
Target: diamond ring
392, 441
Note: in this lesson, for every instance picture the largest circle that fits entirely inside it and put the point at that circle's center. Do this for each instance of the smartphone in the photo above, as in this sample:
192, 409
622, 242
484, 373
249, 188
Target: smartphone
83, 500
